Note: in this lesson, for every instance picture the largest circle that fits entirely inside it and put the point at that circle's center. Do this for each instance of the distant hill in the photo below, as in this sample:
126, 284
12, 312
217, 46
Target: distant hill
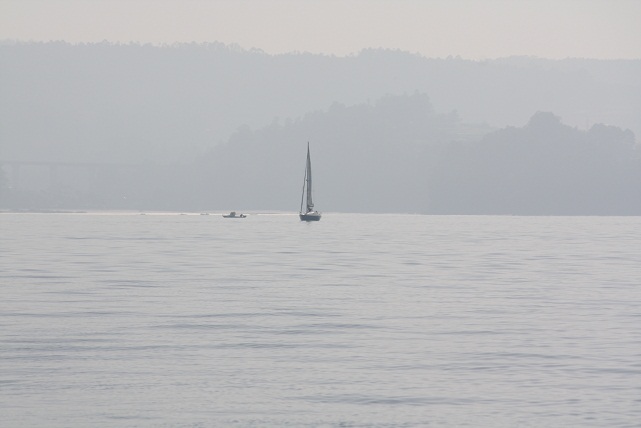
542, 168
398, 155
163, 104
370, 157
212, 127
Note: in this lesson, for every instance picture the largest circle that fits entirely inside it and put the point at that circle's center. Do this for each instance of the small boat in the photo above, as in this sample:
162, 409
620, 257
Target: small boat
309, 214
233, 215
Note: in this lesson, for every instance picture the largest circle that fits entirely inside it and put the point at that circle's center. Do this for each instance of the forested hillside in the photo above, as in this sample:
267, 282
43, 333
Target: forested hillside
137, 103
213, 127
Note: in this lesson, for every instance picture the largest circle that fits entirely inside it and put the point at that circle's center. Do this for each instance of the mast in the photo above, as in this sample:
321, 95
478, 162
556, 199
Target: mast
308, 174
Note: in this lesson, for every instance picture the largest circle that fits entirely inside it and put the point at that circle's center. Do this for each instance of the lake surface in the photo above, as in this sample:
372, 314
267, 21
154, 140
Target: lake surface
111, 320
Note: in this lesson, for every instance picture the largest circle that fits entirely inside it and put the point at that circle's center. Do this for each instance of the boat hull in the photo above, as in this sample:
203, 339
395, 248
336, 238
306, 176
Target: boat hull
314, 216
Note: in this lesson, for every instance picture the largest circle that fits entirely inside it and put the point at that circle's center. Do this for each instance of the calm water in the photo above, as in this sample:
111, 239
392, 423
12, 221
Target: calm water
113, 320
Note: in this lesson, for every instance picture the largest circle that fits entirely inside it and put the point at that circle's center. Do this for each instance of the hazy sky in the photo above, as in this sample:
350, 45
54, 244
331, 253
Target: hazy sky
474, 29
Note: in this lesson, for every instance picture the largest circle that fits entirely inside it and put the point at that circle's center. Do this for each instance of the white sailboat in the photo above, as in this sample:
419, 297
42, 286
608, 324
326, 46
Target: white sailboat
309, 214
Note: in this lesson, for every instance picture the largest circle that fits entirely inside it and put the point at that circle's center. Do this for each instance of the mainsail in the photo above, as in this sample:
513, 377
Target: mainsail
308, 175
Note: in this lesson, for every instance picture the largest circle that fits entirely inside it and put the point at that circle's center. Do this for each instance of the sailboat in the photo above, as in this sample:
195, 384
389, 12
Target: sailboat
309, 214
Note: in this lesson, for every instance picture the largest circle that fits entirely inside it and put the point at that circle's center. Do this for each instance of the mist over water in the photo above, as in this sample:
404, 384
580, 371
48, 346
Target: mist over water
358, 320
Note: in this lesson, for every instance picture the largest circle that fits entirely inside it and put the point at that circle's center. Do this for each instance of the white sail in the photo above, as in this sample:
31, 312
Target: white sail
308, 174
